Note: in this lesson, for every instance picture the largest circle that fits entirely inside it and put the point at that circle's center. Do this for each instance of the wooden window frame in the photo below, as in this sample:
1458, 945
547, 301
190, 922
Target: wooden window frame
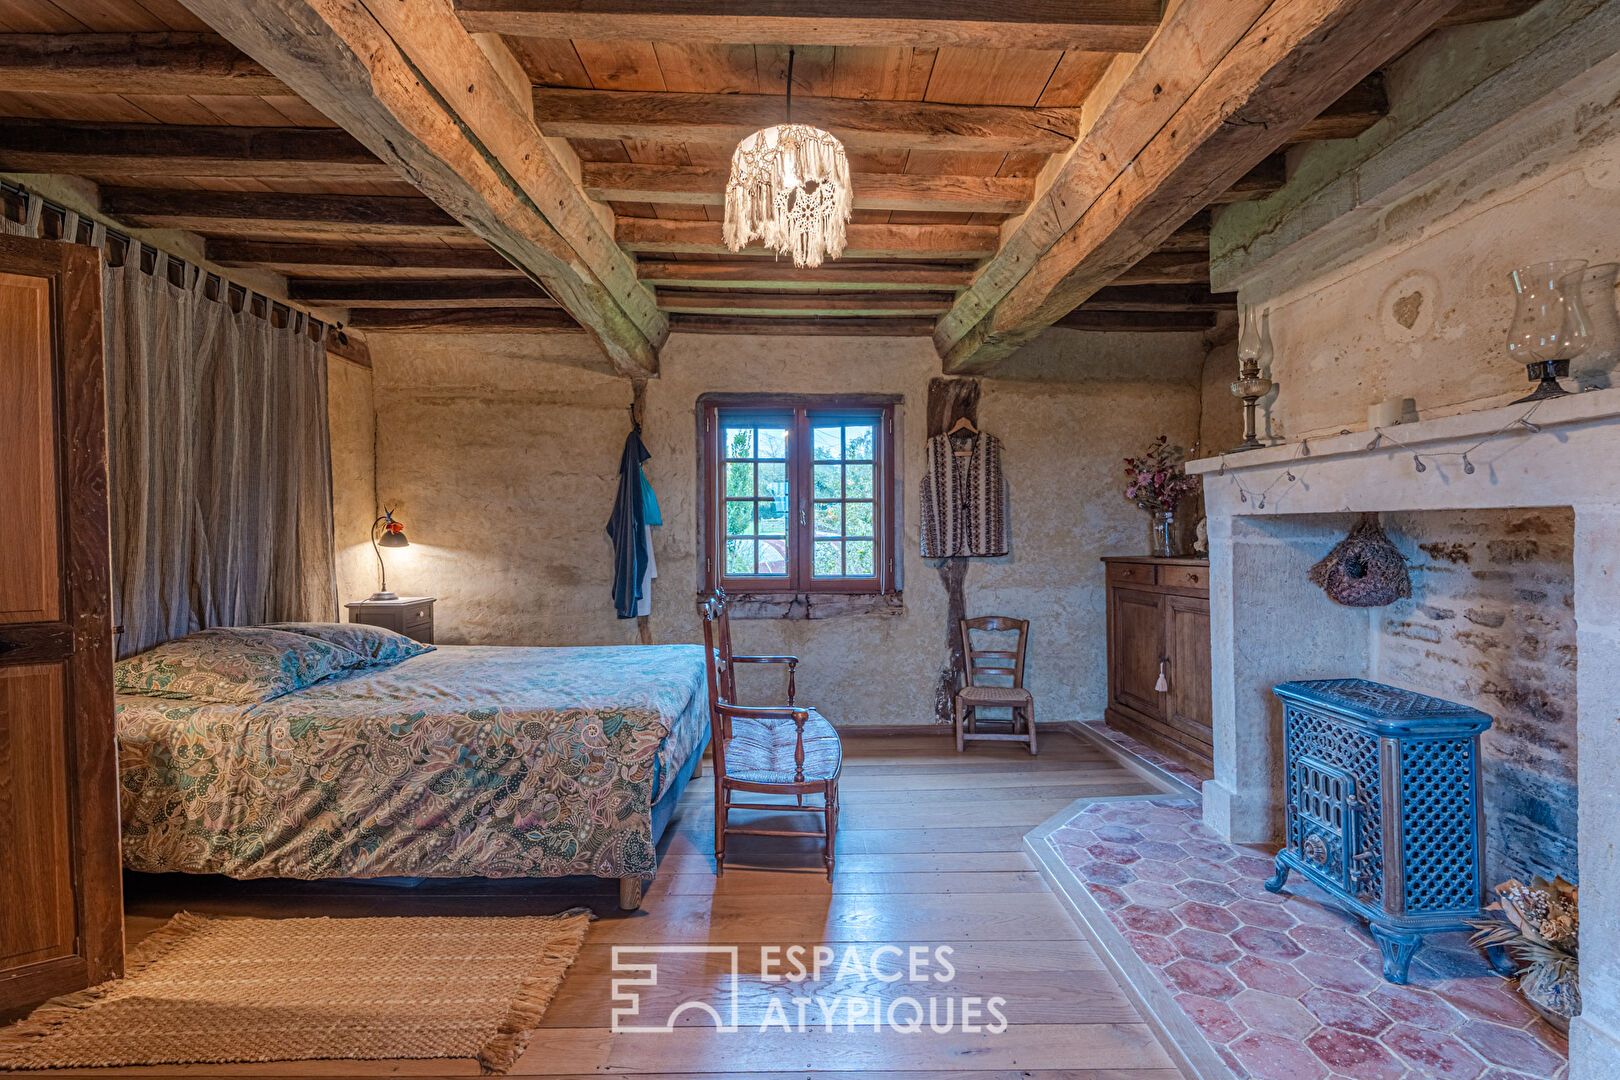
800, 536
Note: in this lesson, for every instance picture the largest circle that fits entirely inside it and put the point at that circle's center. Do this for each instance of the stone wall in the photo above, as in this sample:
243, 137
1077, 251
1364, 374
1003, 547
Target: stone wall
502, 457
354, 499
1491, 623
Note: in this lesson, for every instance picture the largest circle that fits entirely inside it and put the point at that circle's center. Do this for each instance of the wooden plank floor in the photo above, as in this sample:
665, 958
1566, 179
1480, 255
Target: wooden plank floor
929, 854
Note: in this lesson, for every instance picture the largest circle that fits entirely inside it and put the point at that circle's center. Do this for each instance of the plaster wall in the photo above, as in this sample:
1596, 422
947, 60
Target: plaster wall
503, 463
352, 422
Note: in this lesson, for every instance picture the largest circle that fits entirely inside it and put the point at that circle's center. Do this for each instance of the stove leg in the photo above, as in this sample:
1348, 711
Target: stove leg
1398, 949
1277, 880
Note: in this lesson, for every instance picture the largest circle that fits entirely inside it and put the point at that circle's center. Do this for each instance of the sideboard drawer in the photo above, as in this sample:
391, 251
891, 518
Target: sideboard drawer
1184, 577
1135, 573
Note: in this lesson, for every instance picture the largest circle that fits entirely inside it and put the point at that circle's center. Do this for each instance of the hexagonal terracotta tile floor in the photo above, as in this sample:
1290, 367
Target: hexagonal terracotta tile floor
1285, 986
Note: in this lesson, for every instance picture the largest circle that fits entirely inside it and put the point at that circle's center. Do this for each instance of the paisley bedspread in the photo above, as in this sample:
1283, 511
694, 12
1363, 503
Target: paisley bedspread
465, 761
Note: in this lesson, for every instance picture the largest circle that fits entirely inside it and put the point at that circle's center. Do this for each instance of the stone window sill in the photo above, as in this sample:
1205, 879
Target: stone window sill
813, 605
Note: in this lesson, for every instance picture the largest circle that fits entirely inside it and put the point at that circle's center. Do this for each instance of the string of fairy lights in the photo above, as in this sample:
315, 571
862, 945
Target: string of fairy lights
1293, 473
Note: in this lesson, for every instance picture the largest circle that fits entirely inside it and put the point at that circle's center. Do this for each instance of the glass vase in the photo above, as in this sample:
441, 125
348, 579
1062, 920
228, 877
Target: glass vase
1548, 325
1164, 538
1593, 368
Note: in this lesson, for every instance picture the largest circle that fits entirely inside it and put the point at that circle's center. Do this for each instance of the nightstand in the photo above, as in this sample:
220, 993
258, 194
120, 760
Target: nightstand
409, 615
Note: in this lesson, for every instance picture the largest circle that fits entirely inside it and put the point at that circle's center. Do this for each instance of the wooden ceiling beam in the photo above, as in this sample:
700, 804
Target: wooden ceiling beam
274, 212
1220, 88
464, 320
310, 257
1095, 25
420, 292
692, 185
842, 305
1160, 298
164, 63
1168, 268
1266, 178
1192, 236
182, 151
416, 88
660, 235
838, 274
860, 124
1138, 322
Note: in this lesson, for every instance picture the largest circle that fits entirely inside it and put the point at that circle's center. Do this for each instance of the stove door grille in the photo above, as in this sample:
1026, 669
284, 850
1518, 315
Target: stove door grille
1323, 816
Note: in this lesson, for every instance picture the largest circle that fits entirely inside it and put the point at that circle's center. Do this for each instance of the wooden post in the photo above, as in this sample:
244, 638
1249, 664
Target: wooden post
950, 400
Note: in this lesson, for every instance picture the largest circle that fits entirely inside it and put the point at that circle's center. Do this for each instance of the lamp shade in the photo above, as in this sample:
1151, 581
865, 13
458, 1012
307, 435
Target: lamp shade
394, 539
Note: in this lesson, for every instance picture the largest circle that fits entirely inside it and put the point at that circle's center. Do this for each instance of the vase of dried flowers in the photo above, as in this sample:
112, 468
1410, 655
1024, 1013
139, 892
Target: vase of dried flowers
1157, 483
1539, 925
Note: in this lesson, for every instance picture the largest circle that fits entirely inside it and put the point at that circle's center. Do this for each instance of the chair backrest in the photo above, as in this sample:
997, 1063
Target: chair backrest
717, 636
987, 667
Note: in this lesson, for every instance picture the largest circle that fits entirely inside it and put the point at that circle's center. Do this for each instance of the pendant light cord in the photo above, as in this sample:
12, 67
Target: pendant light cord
790, 87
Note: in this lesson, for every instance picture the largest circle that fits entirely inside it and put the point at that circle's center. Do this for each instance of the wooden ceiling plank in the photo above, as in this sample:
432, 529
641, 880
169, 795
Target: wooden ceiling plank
770, 274
863, 241
303, 258
812, 327
213, 211
862, 125
1221, 88
464, 320
1138, 322
696, 186
413, 85
152, 63
81, 148
832, 305
417, 292
1170, 298
1105, 25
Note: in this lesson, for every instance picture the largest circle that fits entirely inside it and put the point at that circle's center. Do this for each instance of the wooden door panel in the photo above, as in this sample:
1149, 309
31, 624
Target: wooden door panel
61, 918
1139, 630
30, 590
36, 880
1190, 705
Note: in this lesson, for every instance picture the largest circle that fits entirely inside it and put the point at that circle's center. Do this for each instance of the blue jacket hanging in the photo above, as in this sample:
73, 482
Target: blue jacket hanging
627, 528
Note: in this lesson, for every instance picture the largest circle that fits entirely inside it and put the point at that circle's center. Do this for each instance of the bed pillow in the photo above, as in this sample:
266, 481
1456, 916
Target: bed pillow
235, 665
379, 646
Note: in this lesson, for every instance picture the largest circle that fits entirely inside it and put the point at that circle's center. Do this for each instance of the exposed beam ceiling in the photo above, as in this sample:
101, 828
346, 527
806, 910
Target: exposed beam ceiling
130, 64
1178, 298
315, 154
762, 273
696, 186
313, 257
418, 292
821, 304
1099, 25
811, 327
413, 85
507, 320
1138, 322
861, 125
1221, 87
862, 241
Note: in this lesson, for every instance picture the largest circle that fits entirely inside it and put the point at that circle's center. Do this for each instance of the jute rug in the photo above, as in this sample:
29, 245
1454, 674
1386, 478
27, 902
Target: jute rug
204, 989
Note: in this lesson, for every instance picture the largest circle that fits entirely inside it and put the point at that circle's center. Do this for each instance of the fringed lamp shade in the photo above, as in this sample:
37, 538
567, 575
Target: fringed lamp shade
789, 189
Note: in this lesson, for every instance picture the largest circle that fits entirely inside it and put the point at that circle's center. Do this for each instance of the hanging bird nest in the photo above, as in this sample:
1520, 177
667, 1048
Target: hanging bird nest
1364, 569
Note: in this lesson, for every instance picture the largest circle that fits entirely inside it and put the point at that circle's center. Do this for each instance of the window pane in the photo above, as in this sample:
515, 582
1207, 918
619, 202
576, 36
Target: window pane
827, 482
772, 518
858, 558
858, 519
827, 441
773, 482
858, 481
773, 558
858, 442
739, 519
740, 480
773, 442
740, 557
829, 519
827, 559
739, 442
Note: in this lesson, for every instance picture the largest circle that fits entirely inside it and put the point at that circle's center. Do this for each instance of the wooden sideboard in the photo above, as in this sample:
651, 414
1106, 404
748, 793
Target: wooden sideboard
1158, 625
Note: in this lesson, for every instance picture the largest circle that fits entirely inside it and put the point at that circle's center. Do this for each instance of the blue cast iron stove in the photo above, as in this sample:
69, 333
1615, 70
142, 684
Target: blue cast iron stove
1383, 808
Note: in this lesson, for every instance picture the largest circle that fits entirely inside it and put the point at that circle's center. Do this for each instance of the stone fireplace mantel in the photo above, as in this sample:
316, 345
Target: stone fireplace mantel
1269, 624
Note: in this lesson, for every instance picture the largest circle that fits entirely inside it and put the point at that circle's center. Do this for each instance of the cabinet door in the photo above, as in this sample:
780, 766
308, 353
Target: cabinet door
1188, 704
1136, 647
61, 917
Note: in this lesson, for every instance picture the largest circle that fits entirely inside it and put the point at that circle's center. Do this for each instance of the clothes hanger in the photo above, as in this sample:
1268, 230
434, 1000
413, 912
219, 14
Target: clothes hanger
961, 423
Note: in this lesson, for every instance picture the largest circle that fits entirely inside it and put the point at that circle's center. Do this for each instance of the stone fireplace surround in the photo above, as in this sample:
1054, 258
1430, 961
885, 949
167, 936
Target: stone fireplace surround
1269, 624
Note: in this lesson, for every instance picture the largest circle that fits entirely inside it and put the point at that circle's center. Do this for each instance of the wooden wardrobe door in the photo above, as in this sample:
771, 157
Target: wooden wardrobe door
1189, 704
1138, 633
61, 917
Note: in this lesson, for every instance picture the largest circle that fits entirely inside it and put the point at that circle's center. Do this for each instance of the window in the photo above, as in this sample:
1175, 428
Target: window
798, 494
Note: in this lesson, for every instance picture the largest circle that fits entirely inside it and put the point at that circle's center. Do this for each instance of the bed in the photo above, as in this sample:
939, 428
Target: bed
459, 761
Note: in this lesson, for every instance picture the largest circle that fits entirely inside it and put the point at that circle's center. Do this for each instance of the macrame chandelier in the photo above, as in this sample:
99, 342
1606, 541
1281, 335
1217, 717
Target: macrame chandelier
790, 189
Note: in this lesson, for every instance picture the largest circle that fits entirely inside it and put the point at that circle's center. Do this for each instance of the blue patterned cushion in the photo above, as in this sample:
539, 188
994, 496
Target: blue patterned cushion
237, 665
379, 646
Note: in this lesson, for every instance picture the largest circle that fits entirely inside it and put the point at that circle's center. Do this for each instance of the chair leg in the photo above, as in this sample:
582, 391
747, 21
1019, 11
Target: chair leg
829, 798
1029, 726
721, 803
957, 714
